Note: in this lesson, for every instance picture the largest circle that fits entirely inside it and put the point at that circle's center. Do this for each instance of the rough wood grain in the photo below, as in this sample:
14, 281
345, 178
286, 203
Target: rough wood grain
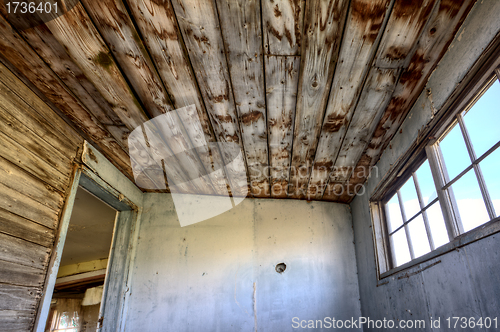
22, 275
241, 31
433, 43
24, 206
29, 64
22, 252
23, 228
200, 29
363, 30
18, 297
323, 27
19, 180
282, 22
16, 320
281, 91
405, 25
158, 26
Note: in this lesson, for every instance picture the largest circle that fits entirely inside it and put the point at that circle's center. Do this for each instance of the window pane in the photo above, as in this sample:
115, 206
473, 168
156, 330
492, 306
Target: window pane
437, 225
470, 201
455, 152
395, 219
410, 199
482, 120
419, 237
490, 168
426, 183
400, 246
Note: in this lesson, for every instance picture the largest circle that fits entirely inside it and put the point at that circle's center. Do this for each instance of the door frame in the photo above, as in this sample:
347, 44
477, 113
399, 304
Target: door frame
98, 176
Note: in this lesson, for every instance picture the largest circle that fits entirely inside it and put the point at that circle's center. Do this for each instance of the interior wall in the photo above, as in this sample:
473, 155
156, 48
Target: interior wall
461, 283
219, 274
36, 153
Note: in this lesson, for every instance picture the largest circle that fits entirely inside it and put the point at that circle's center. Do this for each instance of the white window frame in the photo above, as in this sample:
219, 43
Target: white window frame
479, 79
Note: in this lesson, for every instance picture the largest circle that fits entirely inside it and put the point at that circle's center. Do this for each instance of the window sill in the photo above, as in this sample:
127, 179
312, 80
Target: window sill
473, 235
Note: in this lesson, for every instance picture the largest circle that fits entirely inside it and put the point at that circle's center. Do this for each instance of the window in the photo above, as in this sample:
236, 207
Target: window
451, 188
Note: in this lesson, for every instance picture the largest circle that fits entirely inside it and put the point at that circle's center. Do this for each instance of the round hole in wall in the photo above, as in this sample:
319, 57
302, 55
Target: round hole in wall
281, 267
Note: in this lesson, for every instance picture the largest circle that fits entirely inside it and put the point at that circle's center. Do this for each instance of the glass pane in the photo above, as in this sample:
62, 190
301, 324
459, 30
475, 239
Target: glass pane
455, 152
482, 120
426, 183
419, 237
470, 201
400, 247
489, 168
410, 199
394, 214
437, 225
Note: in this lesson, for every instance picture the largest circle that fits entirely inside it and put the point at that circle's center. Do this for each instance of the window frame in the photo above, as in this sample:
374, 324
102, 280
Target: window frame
475, 84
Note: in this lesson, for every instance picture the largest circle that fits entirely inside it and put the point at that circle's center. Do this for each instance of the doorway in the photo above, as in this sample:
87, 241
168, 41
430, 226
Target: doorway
80, 279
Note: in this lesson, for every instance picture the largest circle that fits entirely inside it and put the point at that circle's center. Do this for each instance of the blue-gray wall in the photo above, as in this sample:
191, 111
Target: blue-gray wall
219, 274
466, 282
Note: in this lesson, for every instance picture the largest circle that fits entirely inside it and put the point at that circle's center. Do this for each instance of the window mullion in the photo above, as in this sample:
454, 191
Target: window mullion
497, 71
477, 169
446, 198
424, 213
407, 231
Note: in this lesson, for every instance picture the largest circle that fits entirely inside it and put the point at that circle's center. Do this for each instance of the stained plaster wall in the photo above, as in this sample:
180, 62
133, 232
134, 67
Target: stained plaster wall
464, 282
219, 274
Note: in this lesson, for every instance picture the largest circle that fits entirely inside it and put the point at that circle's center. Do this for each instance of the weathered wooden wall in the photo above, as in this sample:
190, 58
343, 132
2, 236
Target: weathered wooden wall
36, 155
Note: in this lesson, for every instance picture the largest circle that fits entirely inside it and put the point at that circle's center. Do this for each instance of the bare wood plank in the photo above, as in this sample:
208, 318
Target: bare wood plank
29, 64
201, 32
16, 178
363, 29
18, 297
16, 320
376, 95
323, 27
24, 206
23, 228
282, 26
156, 20
32, 163
76, 33
22, 275
22, 252
22, 135
405, 25
433, 43
241, 31
281, 90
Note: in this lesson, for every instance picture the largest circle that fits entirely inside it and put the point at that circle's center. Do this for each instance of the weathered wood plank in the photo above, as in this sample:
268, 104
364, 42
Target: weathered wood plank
201, 32
282, 26
323, 27
29, 64
21, 275
32, 163
15, 202
76, 33
242, 35
16, 320
22, 135
405, 25
18, 297
23, 228
22, 252
433, 43
157, 23
16, 178
364, 27
281, 90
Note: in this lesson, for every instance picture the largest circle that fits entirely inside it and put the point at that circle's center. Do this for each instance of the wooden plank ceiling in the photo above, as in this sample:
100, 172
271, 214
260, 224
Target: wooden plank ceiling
311, 91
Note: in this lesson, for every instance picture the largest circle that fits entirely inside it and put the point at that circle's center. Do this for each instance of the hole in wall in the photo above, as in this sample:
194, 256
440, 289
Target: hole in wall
281, 267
